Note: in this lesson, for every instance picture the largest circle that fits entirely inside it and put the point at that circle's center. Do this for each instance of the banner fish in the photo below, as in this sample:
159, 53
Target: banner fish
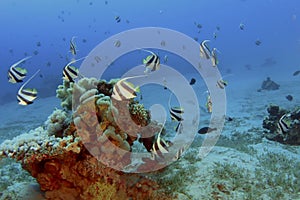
70, 72
73, 48
17, 74
27, 96
176, 114
151, 62
159, 147
204, 50
124, 90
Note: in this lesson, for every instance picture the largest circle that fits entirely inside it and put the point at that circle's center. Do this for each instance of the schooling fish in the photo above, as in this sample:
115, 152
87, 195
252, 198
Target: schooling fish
204, 50
159, 147
124, 90
242, 26
222, 84
70, 72
214, 58
27, 96
17, 74
208, 103
73, 48
193, 81
151, 62
206, 129
283, 124
296, 73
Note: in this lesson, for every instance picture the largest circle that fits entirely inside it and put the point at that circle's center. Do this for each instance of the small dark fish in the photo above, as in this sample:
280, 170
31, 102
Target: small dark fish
118, 19
91, 3
296, 73
242, 26
193, 81
38, 44
206, 129
257, 42
218, 28
289, 97
106, 2
84, 40
41, 76
35, 52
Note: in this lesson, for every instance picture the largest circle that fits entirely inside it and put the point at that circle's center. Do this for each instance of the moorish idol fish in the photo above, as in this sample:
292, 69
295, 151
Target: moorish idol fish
204, 50
151, 62
27, 96
17, 74
73, 48
124, 90
70, 72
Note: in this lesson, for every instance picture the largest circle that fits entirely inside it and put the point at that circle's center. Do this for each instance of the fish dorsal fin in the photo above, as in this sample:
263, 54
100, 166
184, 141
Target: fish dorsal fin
20, 61
148, 51
21, 88
74, 61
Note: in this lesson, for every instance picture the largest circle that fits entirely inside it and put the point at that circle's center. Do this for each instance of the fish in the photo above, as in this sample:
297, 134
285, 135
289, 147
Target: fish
179, 153
193, 81
214, 58
176, 114
289, 97
159, 147
204, 50
73, 48
222, 84
27, 96
70, 72
257, 42
282, 125
151, 62
208, 104
118, 19
296, 73
17, 74
215, 35
206, 129
242, 26
124, 90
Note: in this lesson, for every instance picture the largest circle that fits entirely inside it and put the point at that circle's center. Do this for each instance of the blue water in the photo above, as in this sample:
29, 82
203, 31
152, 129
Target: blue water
53, 23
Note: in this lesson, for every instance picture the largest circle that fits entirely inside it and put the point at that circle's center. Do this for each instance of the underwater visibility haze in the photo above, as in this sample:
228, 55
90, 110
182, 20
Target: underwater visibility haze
111, 99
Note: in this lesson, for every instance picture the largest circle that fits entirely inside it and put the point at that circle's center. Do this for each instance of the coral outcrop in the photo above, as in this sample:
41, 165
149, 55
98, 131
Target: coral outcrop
80, 151
292, 122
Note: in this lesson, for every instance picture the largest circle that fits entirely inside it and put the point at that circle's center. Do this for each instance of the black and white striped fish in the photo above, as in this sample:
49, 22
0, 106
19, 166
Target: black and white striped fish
124, 90
17, 74
26, 96
204, 50
283, 126
151, 62
73, 48
222, 84
179, 153
70, 72
214, 58
159, 147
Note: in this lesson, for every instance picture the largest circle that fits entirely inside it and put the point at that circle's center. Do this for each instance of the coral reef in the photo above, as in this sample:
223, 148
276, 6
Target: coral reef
292, 121
80, 154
